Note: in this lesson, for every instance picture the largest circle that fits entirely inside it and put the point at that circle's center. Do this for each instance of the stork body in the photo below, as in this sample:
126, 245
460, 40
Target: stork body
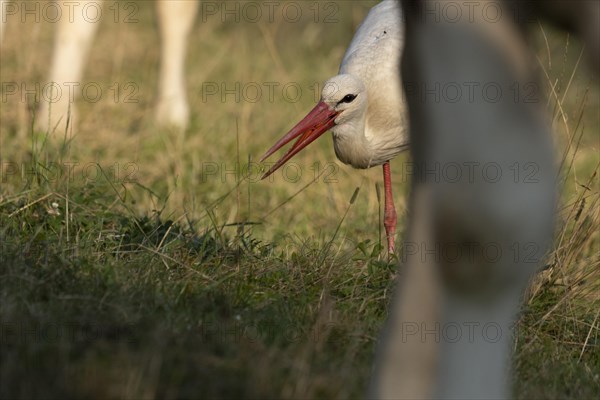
362, 106
373, 57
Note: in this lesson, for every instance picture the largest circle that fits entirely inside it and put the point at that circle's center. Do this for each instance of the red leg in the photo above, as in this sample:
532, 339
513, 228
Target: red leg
389, 215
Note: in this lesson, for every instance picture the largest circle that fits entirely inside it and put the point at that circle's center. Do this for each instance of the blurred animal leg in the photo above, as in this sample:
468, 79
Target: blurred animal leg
71, 49
176, 18
405, 367
448, 333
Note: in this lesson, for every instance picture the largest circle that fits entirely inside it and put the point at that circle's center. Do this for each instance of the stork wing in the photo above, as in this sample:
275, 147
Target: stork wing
377, 43
374, 57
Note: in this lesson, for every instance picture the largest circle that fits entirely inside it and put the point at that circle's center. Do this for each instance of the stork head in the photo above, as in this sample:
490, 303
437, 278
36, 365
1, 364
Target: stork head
343, 102
347, 95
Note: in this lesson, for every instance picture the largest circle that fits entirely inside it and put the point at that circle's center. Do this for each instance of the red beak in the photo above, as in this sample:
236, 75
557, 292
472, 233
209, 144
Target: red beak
317, 122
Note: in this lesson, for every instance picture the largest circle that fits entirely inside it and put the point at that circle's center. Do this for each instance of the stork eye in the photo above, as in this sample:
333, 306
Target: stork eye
347, 98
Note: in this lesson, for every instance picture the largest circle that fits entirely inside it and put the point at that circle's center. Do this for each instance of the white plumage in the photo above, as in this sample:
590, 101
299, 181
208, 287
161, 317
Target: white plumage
363, 106
374, 58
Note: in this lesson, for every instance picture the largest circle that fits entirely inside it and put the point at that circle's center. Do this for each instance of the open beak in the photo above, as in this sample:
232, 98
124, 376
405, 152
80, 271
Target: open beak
316, 123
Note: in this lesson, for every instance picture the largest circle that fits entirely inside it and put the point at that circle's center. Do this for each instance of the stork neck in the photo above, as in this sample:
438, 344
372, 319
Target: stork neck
352, 129
351, 144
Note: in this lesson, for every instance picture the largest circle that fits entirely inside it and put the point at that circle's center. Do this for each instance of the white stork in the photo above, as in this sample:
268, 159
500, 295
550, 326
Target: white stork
363, 105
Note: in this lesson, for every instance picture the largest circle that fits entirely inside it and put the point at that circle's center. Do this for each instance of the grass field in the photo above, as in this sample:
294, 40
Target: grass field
141, 262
